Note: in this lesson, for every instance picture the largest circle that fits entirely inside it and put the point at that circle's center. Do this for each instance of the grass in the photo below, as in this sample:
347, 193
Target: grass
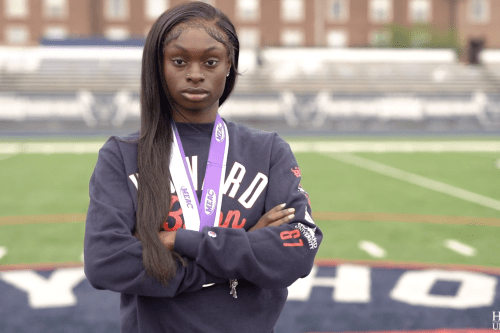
58, 184
45, 184
42, 243
337, 186
452, 168
420, 242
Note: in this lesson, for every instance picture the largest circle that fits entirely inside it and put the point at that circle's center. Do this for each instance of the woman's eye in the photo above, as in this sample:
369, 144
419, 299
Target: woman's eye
178, 62
211, 63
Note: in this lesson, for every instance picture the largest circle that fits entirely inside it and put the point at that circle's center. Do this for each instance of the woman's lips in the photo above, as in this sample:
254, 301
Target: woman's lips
195, 94
195, 97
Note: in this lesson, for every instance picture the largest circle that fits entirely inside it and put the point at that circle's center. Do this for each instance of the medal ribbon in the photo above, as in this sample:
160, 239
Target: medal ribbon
205, 213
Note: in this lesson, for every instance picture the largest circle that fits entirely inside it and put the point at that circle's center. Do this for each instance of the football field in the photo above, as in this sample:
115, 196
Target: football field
387, 205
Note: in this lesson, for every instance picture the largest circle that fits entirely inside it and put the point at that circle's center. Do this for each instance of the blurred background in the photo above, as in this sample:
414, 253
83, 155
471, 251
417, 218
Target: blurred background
320, 66
392, 108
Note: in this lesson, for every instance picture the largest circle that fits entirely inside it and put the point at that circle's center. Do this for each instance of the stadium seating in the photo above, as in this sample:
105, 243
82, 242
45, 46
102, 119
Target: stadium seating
367, 84
416, 108
17, 107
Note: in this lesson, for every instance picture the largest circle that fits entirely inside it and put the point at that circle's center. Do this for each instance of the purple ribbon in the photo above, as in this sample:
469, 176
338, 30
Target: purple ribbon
207, 208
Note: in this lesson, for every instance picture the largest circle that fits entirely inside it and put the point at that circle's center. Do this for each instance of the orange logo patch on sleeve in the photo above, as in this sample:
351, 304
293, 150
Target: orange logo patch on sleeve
296, 172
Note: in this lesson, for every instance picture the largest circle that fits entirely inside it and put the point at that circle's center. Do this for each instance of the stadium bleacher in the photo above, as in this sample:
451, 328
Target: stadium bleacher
416, 108
35, 108
294, 86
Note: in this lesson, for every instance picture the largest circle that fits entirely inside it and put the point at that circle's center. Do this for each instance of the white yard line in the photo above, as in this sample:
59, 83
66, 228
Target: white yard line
461, 248
298, 147
395, 146
417, 180
3, 251
50, 148
372, 249
6, 156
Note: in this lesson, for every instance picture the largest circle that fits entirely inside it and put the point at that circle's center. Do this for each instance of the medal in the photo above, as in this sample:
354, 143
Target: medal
205, 213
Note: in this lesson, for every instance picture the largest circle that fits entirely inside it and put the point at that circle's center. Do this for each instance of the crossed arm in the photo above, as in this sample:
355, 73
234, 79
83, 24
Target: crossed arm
275, 217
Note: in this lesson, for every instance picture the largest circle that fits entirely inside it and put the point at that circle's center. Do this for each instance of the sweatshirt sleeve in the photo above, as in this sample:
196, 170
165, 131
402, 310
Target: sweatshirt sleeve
271, 257
112, 255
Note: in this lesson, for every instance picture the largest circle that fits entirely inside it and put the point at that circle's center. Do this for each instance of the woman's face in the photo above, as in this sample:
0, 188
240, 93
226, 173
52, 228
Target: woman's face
195, 69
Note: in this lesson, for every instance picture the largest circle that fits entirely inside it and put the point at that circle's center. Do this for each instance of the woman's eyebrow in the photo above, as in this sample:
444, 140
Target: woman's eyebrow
215, 47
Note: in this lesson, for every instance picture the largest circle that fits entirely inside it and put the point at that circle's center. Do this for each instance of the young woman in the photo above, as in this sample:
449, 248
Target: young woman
201, 224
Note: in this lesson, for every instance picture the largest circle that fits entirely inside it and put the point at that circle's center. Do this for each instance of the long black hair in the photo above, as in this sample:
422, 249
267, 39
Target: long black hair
154, 146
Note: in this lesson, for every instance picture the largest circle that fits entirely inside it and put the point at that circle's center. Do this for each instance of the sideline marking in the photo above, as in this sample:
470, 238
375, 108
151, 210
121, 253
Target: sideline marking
372, 249
395, 146
297, 147
319, 216
409, 218
49, 218
459, 247
50, 266
3, 251
417, 180
374, 263
7, 156
414, 265
50, 148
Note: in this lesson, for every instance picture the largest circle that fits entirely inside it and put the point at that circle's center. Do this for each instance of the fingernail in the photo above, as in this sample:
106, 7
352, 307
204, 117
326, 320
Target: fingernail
282, 205
291, 210
291, 216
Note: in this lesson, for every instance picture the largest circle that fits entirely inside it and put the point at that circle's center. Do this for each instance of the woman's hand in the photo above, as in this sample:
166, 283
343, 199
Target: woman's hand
168, 239
275, 217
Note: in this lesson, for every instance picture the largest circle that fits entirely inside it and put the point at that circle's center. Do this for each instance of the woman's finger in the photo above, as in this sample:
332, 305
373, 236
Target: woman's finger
273, 215
281, 221
270, 215
280, 214
276, 208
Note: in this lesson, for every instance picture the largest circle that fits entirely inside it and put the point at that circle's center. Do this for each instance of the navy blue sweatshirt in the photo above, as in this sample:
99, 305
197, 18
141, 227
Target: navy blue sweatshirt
261, 173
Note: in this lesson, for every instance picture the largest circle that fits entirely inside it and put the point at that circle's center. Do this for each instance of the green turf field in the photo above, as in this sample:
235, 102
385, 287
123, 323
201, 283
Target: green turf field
466, 184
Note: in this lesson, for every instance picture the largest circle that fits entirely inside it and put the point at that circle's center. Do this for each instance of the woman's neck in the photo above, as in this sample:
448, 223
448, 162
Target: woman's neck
196, 117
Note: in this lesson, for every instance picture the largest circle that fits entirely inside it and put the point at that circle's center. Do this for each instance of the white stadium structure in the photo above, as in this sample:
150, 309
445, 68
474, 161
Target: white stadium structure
304, 88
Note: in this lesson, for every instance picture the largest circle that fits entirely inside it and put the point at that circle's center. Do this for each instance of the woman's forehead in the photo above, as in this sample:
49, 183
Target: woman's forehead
208, 26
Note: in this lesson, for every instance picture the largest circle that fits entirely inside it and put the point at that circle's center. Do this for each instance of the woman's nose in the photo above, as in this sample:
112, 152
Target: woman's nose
195, 74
